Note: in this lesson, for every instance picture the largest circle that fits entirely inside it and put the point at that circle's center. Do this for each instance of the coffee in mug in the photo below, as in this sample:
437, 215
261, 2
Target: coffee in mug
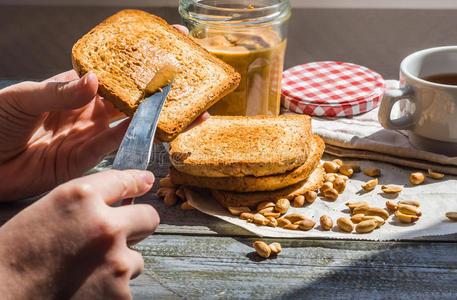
448, 79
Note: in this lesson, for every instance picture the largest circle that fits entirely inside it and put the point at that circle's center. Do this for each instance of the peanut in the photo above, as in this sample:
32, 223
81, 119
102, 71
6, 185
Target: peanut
370, 185
366, 226
353, 205
434, 175
170, 199
247, 216
377, 211
283, 222
355, 167
417, 178
263, 205
391, 189
272, 222
310, 196
345, 224
357, 218
326, 222
187, 206
299, 201
282, 205
326, 186
360, 209
294, 217
306, 224
338, 161
409, 210
344, 177
409, 202
162, 192
275, 247
238, 210
291, 226
266, 210
372, 172
330, 177
272, 214
331, 167
331, 193
180, 193
340, 185
166, 182
452, 215
346, 171
260, 220
262, 249
391, 206
405, 218
379, 221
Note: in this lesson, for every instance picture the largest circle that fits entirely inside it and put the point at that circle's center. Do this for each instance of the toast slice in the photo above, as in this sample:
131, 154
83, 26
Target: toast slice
252, 183
224, 146
125, 51
314, 182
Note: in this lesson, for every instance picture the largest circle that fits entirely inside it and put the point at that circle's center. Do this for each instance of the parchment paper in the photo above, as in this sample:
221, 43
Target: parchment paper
435, 196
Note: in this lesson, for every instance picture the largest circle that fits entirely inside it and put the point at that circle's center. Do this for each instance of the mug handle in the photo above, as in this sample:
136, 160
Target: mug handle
388, 100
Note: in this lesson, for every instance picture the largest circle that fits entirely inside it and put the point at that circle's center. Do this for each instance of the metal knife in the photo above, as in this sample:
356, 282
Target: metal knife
135, 149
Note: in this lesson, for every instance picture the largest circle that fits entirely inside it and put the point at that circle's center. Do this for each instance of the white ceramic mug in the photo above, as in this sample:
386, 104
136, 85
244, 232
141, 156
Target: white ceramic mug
429, 110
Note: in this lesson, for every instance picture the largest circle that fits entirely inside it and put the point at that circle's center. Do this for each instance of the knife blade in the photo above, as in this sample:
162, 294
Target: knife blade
135, 149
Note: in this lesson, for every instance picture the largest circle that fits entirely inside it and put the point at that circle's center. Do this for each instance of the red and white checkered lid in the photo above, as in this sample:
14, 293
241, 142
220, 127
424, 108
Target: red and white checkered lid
331, 89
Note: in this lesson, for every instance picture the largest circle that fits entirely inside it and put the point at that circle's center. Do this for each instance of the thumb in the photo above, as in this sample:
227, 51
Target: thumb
35, 98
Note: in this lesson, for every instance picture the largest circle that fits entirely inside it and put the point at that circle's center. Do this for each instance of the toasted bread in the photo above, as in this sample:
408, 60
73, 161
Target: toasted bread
124, 52
314, 182
226, 146
252, 183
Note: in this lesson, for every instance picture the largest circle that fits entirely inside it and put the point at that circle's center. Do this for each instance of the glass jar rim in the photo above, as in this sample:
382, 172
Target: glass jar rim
250, 16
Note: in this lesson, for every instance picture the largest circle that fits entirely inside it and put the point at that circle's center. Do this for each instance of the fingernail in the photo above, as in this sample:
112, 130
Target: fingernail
148, 177
88, 76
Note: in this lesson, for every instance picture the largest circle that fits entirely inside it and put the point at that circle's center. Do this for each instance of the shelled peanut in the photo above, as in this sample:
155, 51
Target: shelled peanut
451, 215
406, 211
337, 173
434, 175
274, 214
326, 222
366, 217
171, 193
417, 178
264, 250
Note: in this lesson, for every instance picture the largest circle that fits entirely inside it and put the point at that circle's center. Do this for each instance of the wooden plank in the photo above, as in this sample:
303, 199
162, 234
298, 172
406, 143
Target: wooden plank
209, 267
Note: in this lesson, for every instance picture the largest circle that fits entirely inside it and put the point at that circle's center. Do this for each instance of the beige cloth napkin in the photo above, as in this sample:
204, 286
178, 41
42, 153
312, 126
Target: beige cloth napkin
363, 137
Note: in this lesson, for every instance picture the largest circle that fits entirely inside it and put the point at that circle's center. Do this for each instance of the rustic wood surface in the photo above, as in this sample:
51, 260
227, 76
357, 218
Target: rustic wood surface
193, 255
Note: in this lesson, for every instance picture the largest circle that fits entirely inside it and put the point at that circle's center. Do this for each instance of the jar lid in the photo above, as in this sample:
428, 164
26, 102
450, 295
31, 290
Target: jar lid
331, 89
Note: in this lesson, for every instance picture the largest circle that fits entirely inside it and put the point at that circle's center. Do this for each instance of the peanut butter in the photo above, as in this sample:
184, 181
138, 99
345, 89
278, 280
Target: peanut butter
165, 75
258, 56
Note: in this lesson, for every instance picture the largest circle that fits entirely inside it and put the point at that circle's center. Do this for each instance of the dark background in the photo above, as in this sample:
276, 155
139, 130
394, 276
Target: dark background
36, 41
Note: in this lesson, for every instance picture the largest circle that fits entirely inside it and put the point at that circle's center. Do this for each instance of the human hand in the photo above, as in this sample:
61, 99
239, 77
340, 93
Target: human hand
72, 244
54, 131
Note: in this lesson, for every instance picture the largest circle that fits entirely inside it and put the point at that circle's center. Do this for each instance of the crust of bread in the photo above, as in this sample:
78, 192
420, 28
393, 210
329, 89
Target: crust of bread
228, 146
314, 182
252, 183
176, 115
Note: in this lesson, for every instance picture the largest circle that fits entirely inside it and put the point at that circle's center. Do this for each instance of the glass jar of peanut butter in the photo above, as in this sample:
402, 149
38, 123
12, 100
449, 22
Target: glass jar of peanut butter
251, 36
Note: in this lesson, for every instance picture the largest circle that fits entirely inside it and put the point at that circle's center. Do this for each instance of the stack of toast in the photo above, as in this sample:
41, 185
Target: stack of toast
248, 160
